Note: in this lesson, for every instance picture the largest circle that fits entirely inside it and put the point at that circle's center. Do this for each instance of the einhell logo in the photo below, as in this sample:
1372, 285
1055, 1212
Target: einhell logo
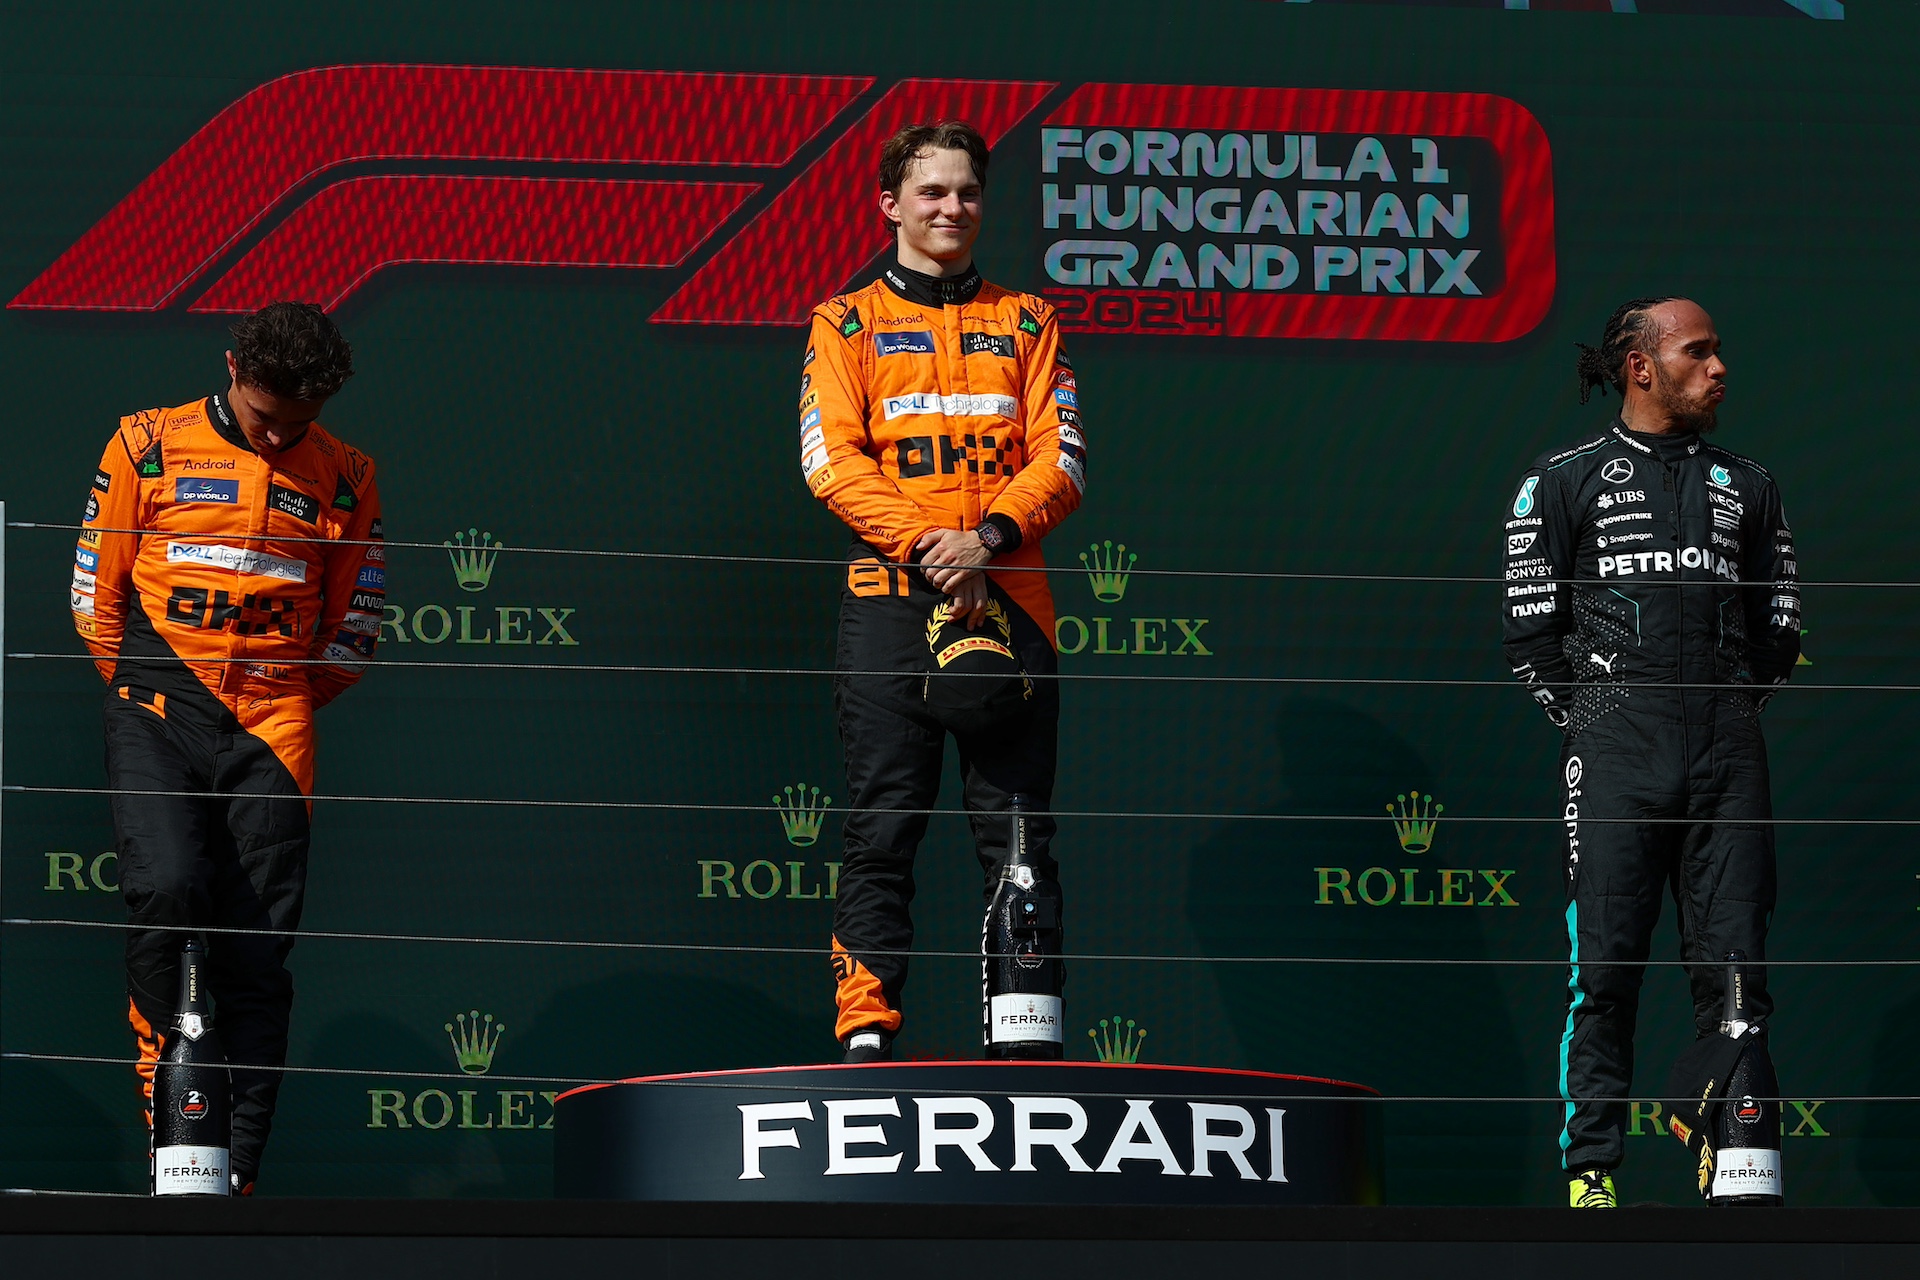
1168, 208
472, 554
475, 1038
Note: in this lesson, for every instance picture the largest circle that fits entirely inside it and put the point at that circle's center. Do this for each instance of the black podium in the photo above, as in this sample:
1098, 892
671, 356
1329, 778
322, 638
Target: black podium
973, 1133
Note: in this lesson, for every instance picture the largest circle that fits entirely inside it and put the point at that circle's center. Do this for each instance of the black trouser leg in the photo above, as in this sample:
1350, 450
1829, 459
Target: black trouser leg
1612, 770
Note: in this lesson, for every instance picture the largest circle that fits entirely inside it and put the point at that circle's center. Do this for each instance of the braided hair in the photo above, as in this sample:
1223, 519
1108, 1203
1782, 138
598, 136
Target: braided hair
1627, 327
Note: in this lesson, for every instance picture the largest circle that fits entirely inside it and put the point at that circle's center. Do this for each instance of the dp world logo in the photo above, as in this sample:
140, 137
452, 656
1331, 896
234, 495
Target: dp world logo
474, 555
1109, 567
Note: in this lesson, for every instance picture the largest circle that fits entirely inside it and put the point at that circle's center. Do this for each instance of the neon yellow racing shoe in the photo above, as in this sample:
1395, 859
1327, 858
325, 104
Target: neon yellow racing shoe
1591, 1189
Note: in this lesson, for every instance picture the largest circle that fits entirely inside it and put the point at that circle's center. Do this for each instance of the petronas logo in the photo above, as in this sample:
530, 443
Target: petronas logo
1414, 818
802, 809
1117, 1042
473, 554
1108, 566
474, 1041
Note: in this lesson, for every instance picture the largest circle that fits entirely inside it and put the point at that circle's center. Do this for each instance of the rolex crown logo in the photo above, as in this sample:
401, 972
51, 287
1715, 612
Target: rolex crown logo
1115, 1041
475, 1041
1414, 818
1107, 568
473, 554
802, 810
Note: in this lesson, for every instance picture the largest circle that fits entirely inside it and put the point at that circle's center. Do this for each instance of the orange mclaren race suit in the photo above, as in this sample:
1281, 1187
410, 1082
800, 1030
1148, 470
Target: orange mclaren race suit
930, 404
224, 596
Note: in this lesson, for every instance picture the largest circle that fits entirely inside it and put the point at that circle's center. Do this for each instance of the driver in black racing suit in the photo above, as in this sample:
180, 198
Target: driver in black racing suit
1651, 605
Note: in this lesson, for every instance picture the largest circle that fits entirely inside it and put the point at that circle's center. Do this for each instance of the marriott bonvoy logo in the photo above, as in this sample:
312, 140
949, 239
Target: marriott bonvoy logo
473, 555
474, 1038
1104, 631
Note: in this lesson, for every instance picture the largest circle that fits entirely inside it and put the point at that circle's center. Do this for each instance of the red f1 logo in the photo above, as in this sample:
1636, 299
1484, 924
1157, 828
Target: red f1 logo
298, 131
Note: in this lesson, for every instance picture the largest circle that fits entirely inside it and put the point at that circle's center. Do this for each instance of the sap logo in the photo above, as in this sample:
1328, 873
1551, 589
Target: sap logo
1519, 542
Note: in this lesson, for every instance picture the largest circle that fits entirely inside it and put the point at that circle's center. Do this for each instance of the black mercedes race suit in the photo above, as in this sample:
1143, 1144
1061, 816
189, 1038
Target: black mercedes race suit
1651, 602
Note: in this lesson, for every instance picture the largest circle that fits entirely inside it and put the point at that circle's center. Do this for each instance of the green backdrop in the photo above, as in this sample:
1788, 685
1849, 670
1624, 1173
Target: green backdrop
1760, 164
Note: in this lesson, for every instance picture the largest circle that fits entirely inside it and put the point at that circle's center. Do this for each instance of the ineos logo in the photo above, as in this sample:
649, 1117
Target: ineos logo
1617, 471
1575, 771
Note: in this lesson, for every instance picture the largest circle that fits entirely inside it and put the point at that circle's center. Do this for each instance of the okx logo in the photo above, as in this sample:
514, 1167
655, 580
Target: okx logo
475, 1039
1415, 817
473, 555
1109, 569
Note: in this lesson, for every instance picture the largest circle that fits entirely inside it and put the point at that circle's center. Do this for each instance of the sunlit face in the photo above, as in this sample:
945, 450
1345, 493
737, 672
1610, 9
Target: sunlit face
938, 207
269, 422
1689, 377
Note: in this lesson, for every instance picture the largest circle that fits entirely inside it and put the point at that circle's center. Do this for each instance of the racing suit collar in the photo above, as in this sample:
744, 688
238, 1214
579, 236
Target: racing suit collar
221, 416
932, 291
1668, 446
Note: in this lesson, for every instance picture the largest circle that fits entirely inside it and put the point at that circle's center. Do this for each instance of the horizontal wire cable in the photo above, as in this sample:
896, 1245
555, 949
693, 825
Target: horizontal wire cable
621, 668
763, 949
1277, 575
712, 1082
1129, 815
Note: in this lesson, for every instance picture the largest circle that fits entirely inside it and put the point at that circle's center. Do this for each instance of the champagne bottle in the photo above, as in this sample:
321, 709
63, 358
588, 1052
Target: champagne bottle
191, 1091
1020, 968
1746, 1141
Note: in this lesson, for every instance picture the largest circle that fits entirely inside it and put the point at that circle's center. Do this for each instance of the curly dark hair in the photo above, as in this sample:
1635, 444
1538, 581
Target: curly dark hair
899, 152
292, 350
1627, 329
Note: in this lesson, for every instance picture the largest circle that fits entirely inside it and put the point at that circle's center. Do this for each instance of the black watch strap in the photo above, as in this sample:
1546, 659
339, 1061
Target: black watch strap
999, 533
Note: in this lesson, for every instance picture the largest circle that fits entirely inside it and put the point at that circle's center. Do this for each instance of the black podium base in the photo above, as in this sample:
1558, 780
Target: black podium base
973, 1133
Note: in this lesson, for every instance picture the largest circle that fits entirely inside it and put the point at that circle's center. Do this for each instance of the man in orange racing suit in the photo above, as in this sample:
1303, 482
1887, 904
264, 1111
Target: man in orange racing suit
229, 579
939, 419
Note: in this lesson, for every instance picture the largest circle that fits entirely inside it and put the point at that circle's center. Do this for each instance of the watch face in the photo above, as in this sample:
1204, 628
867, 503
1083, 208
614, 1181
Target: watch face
989, 536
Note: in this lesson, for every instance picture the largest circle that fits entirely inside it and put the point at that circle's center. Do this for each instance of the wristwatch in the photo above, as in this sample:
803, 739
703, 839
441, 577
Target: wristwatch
998, 533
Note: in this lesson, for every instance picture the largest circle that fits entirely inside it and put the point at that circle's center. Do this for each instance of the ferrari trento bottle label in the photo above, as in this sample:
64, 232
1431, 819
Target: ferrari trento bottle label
190, 1171
1014, 1018
1746, 1171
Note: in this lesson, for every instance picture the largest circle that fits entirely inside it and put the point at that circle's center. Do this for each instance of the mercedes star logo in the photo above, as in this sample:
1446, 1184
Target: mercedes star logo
1617, 471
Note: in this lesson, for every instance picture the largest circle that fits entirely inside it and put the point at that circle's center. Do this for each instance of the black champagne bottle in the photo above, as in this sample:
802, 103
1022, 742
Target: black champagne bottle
192, 1132
1746, 1136
1021, 973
